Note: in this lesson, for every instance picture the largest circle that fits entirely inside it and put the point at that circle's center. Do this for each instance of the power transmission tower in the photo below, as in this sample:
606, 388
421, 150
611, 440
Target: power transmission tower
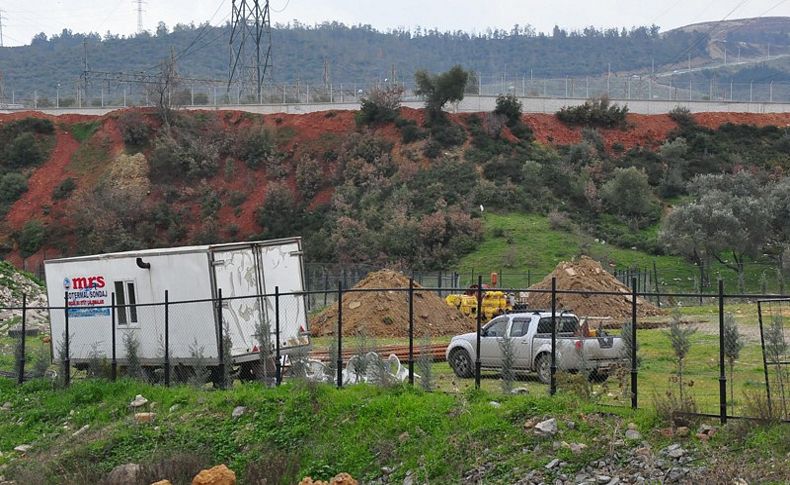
250, 27
140, 11
1, 29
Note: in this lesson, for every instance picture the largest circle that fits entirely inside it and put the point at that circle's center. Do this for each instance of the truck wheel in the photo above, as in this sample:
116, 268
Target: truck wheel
543, 368
461, 363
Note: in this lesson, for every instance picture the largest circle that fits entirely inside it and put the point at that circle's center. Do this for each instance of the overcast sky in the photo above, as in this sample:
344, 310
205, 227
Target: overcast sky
24, 18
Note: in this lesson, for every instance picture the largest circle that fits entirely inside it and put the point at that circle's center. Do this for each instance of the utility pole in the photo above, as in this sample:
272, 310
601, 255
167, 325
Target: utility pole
1, 29
140, 11
250, 25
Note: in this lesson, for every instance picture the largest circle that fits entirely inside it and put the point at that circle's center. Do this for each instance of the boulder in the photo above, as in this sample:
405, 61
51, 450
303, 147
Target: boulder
343, 479
548, 427
138, 401
128, 474
162, 482
238, 411
218, 475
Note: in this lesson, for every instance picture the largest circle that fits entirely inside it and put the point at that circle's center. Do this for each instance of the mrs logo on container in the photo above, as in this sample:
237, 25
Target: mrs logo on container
83, 283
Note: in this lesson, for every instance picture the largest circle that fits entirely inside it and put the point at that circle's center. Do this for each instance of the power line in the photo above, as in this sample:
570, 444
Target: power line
250, 24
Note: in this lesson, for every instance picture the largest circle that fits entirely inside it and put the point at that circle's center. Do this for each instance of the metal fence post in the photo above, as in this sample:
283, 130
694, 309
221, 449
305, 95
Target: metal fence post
339, 334
479, 323
722, 374
278, 372
167, 339
220, 341
21, 377
655, 284
114, 361
67, 357
634, 372
553, 369
411, 330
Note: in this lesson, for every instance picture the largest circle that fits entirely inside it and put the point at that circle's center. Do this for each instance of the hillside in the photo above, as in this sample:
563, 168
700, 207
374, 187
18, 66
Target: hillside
353, 54
405, 193
397, 435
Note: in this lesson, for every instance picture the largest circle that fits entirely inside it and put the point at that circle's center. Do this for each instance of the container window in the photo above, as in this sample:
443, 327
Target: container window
132, 303
126, 299
120, 300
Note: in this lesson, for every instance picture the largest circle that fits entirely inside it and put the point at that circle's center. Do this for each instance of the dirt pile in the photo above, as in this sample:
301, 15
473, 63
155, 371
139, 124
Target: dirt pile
386, 313
587, 274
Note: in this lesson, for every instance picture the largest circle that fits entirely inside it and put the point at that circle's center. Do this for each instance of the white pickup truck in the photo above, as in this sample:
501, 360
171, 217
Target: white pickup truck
530, 334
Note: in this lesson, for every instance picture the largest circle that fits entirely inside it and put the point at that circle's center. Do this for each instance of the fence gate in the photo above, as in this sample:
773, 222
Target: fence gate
773, 317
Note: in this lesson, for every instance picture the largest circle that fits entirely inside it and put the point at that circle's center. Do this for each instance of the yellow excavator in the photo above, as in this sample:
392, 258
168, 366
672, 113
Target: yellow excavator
493, 302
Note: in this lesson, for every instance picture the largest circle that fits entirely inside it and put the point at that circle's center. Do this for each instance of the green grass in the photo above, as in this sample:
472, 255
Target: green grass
522, 244
439, 437
83, 131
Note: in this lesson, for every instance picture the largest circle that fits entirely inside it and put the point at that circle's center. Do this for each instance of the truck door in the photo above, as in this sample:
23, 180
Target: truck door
281, 267
235, 274
490, 353
522, 345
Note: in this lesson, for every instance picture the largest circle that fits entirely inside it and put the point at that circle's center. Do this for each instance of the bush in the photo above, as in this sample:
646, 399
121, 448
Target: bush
447, 134
441, 89
64, 189
628, 195
256, 147
309, 176
682, 116
510, 107
31, 238
381, 105
23, 151
409, 131
190, 158
594, 112
12, 186
134, 130
278, 211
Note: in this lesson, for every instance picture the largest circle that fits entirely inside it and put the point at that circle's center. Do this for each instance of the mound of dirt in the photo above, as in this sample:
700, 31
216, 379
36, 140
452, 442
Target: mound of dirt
386, 313
587, 274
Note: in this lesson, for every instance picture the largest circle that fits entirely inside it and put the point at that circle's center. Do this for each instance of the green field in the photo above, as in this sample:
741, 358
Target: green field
518, 244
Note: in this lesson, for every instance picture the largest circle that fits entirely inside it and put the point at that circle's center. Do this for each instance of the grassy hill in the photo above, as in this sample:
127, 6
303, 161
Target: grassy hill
79, 434
524, 248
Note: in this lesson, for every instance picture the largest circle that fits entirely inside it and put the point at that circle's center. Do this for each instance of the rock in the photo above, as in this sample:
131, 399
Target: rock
553, 463
138, 401
603, 478
632, 426
570, 424
495, 404
354, 305
6, 406
310, 481
23, 448
682, 432
409, 478
128, 474
530, 423
676, 452
577, 448
141, 418
174, 407
343, 479
80, 431
632, 434
387, 470
218, 475
548, 427
238, 411
404, 437
666, 432
162, 482
520, 390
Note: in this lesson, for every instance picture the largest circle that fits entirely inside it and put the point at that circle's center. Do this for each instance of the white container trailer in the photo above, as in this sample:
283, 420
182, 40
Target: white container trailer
139, 279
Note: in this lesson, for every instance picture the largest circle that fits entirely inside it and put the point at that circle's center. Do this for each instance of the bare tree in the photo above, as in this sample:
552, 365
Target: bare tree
162, 90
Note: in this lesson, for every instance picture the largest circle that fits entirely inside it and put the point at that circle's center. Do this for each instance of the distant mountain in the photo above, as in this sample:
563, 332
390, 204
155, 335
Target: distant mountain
351, 53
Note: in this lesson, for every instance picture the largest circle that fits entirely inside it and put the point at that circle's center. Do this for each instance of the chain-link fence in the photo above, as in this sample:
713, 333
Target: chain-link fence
726, 358
661, 87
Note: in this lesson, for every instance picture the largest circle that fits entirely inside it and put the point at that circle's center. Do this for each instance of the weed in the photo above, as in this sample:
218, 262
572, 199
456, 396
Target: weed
508, 361
425, 364
132, 350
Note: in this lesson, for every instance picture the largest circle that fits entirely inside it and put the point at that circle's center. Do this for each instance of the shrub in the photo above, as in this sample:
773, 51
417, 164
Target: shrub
447, 134
682, 116
64, 189
256, 147
278, 211
409, 131
31, 238
309, 176
23, 151
510, 107
236, 198
134, 130
191, 158
628, 195
381, 105
594, 112
12, 186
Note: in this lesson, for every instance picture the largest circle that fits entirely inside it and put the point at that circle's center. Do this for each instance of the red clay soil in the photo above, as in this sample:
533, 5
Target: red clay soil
42, 182
647, 131
714, 120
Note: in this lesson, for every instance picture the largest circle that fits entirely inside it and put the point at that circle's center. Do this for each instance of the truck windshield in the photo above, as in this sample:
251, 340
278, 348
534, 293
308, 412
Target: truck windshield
567, 324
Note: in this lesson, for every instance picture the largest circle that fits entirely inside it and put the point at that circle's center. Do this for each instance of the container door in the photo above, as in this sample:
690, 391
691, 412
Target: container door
235, 274
282, 267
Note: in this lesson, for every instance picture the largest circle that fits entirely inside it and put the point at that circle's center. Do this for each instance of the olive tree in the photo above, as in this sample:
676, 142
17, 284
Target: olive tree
629, 196
440, 89
725, 221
